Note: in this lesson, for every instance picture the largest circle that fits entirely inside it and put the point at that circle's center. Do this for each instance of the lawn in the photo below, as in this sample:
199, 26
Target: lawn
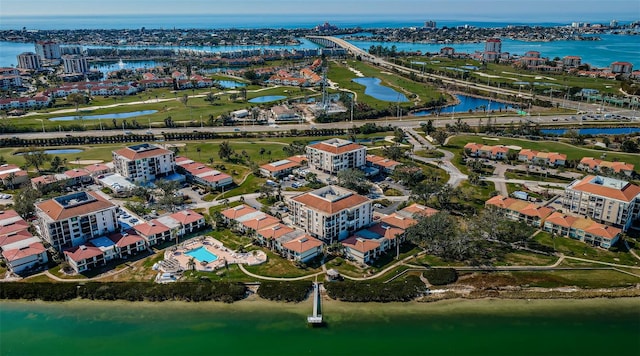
535, 176
553, 279
524, 258
277, 266
575, 248
230, 239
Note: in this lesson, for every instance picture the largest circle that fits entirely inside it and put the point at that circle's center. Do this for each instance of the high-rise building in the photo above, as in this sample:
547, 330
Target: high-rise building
29, 60
144, 162
74, 63
48, 50
335, 155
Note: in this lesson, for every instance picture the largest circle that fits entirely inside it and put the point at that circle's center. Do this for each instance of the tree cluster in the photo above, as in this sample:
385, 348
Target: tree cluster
396, 291
290, 291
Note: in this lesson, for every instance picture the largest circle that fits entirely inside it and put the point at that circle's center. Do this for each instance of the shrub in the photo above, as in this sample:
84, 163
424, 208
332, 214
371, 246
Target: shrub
396, 291
441, 276
284, 291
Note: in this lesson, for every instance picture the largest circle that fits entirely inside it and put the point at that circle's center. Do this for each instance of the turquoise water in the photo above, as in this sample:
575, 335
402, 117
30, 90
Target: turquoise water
267, 98
202, 254
122, 115
468, 103
485, 327
105, 68
380, 92
596, 131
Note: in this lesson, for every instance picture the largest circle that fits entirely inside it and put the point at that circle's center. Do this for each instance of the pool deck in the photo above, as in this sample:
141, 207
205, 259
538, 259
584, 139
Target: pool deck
225, 255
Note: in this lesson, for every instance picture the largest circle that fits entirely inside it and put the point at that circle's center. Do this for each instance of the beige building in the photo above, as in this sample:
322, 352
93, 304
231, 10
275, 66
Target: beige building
331, 213
606, 200
73, 219
144, 162
336, 154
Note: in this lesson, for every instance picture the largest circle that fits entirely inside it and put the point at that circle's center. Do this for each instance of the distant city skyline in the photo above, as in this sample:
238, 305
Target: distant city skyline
489, 10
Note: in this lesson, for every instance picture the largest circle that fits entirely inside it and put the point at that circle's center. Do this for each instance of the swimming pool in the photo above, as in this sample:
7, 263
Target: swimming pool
202, 254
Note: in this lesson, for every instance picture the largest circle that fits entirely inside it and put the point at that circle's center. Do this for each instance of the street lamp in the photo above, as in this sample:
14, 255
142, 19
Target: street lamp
42, 122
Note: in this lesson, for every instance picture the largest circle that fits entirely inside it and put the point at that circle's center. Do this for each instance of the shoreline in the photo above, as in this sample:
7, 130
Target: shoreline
337, 310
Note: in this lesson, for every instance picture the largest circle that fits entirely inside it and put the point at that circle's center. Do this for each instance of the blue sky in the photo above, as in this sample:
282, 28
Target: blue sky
514, 10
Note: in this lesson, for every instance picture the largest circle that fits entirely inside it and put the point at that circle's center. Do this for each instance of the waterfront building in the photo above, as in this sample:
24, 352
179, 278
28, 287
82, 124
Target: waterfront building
486, 151
583, 229
571, 61
302, 249
492, 49
144, 162
621, 68
330, 213
199, 173
447, 51
154, 232
334, 155
48, 50
593, 165
70, 50
127, 244
183, 222
84, 257
606, 200
270, 236
519, 210
26, 257
75, 64
73, 219
430, 25
29, 60
361, 250
10, 78
547, 158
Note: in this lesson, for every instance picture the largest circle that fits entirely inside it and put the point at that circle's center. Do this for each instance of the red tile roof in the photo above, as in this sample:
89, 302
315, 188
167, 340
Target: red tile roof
336, 149
153, 227
126, 239
327, 206
261, 222
84, 252
561, 219
35, 248
14, 237
134, 155
238, 211
627, 193
275, 231
360, 244
76, 172
419, 209
302, 244
607, 232
277, 168
187, 216
57, 212
398, 221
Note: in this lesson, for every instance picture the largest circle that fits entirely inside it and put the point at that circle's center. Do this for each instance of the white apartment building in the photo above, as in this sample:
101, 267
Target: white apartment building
74, 219
144, 162
29, 60
331, 213
605, 200
74, 63
48, 50
334, 155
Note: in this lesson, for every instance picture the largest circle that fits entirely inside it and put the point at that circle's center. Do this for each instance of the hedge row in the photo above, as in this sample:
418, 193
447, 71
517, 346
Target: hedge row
397, 291
132, 291
284, 291
441, 276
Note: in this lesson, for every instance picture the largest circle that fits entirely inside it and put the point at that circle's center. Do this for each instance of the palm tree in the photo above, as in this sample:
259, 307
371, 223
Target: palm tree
191, 264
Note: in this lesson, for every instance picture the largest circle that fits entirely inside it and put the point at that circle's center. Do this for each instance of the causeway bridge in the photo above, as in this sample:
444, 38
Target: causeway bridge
335, 42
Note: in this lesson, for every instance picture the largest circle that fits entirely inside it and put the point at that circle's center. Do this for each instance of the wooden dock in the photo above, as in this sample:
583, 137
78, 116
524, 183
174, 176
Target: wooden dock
316, 318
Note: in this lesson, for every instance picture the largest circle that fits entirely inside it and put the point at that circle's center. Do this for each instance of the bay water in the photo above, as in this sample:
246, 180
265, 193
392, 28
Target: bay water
478, 327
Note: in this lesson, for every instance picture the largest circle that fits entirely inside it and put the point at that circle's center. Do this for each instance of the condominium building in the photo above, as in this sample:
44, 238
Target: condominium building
10, 78
331, 213
74, 63
199, 173
29, 60
336, 154
48, 50
591, 164
73, 219
547, 158
606, 200
486, 151
144, 162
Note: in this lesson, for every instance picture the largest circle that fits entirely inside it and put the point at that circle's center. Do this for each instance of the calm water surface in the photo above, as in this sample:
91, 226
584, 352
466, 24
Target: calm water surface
568, 327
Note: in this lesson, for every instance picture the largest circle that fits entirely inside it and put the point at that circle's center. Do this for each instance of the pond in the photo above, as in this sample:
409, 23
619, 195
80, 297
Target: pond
468, 103
227, 84
380, 92
267, 98
62, 151
122, 115
596, 131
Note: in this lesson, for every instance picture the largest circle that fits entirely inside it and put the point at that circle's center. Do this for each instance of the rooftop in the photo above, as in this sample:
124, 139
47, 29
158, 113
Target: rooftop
607, 187
144, 150
331, 199
336, 146
75, 204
